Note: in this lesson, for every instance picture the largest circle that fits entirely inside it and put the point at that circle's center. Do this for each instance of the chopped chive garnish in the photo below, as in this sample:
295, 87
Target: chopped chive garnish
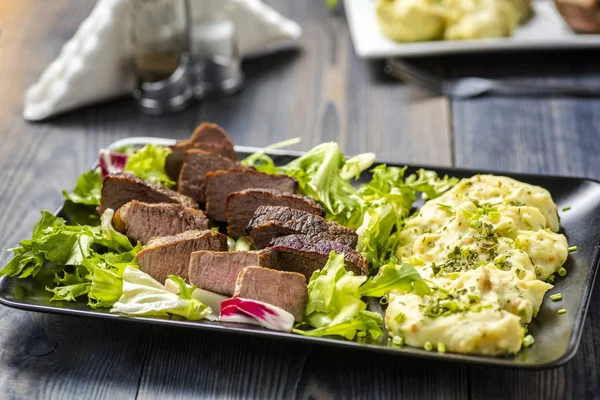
476, 223
567, 208
517, 243
441, 347
562, 311
561, 271
528, 340
550, 279
572, 249
428, 346
556, 297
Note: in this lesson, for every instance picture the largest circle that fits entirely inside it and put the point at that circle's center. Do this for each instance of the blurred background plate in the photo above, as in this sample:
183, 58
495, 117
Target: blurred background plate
545, 31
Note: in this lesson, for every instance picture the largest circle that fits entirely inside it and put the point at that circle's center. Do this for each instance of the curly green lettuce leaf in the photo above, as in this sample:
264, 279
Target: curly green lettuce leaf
322, 175
430, 184
87, 189
148, 163
365, 322
86, 260
334, 304
144, 296
391, 276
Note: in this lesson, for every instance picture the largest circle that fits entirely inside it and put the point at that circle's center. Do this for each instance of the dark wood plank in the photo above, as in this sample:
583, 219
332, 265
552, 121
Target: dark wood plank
541, 135
322, 92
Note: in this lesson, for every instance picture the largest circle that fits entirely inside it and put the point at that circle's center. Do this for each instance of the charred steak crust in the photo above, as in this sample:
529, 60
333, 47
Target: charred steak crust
286, 290
170, 255
143, 221
197, 163
119, 189
208, 132
270, 222
297, 255
217, 271
220, 184
208, 137
241, 206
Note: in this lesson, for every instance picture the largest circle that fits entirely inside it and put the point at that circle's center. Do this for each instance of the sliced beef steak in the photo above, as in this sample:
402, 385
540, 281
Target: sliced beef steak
170, 255
220, 184
297, 255
217, 271
270, 222
285, 290
208, 137
119, 189
242, 205
192, 179
142, 221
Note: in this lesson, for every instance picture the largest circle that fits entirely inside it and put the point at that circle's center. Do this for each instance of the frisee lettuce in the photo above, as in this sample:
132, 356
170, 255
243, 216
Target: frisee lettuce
148, 163
144, 296
335, 305
376, 210
87, 190
86, 260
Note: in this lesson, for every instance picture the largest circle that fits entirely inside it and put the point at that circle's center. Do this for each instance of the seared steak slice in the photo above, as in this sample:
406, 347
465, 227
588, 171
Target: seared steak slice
220, 184
170, 255
192, 179
242, 205
142, 221
118, 189
285, 290
208, 137
270, 222
217, 271
297, 255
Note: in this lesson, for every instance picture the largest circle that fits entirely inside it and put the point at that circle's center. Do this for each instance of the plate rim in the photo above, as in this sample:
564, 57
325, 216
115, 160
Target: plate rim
412, 49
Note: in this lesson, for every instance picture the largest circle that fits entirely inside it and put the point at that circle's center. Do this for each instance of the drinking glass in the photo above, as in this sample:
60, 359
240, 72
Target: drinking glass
160, 36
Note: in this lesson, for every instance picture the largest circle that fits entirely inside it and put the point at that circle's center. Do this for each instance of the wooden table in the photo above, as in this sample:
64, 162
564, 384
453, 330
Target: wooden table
323, 92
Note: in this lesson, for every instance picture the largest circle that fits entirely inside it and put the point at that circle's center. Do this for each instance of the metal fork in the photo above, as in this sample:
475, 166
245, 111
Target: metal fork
465, 88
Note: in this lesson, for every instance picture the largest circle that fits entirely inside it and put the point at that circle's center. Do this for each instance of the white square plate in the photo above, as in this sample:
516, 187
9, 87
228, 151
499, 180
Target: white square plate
546, 30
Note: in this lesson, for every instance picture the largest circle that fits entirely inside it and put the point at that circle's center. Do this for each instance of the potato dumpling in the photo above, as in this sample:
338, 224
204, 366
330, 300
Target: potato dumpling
411, 20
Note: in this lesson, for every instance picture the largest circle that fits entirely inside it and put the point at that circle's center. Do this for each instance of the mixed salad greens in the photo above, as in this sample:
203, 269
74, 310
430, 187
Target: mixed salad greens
96, 262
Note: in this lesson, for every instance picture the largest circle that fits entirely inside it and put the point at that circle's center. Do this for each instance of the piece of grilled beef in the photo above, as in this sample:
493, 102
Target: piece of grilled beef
295, 254
197, 163
220, 184
170, 255
217, 271
142, 221
208, 137
119, 189
286, 290
270, 222
242, 205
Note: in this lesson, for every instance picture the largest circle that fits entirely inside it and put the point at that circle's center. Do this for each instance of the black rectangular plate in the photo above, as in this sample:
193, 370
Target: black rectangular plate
557, 336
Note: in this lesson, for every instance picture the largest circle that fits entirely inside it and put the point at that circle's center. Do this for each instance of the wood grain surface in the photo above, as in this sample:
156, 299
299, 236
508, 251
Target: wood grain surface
320, 92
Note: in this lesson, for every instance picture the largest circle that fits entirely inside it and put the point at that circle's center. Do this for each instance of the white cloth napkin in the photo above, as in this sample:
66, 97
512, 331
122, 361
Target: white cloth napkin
95, 64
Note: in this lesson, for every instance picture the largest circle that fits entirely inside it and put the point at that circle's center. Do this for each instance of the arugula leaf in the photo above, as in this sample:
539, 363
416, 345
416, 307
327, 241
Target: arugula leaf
87, 189
144, 296
395, 277
148, 163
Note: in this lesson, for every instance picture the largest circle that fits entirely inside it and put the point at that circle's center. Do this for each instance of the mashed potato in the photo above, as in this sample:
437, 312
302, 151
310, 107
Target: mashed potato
488, 245
423, 20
